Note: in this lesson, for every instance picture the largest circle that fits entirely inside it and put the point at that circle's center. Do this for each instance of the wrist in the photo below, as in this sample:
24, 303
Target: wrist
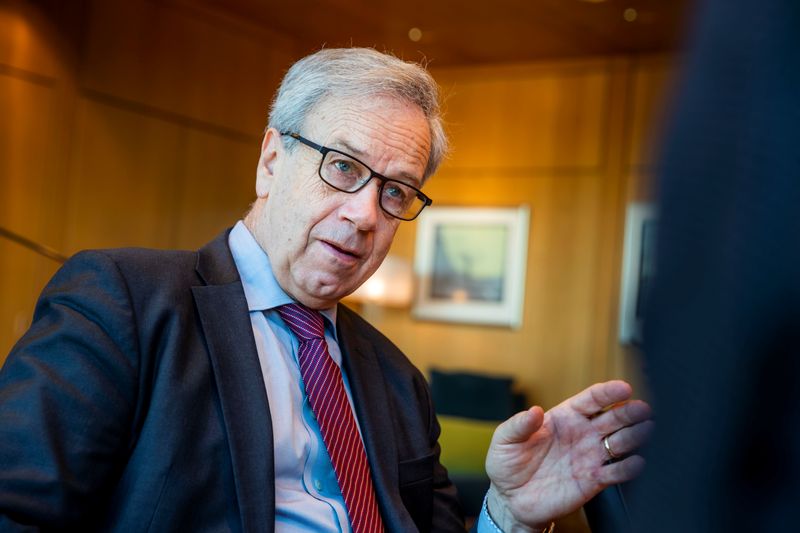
504, 520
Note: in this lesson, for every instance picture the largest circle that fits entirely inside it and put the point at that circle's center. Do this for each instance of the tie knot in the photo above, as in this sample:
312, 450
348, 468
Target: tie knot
305, 323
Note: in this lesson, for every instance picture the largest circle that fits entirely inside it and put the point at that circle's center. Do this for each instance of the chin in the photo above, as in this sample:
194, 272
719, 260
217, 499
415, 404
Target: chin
326, 295
330, 285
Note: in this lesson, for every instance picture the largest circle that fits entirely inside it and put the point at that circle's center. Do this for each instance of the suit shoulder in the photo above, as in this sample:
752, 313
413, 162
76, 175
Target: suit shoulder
147, 257
140, 272
144, 263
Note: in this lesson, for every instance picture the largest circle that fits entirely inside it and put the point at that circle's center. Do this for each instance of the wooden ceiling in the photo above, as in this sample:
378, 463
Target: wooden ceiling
468, 32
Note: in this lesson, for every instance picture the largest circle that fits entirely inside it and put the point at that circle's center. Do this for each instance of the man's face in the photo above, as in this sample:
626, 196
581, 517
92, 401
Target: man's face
324, 243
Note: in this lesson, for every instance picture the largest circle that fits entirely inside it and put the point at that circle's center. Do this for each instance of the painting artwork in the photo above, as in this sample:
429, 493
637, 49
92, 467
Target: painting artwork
470, 264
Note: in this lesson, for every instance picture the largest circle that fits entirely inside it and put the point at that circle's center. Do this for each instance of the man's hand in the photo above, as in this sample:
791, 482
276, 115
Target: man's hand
545, 465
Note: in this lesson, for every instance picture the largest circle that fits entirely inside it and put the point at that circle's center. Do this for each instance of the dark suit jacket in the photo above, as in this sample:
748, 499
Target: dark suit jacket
722, 338
135, 402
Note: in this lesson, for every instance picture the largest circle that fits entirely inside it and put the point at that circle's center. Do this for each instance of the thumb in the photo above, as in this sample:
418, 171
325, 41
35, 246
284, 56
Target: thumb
519, 427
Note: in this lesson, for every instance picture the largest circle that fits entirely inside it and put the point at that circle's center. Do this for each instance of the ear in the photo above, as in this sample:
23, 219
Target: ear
271, 151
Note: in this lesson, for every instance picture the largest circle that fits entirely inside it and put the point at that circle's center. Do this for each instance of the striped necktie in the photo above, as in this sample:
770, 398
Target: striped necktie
322, 378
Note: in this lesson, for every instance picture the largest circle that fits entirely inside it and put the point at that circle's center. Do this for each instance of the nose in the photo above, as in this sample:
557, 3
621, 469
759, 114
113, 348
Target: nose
361, 207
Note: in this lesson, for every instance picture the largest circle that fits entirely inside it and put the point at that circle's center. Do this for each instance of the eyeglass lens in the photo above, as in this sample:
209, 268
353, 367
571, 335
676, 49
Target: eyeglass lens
347, 174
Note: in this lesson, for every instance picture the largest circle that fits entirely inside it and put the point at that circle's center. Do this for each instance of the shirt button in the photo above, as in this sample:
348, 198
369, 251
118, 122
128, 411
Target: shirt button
318, 485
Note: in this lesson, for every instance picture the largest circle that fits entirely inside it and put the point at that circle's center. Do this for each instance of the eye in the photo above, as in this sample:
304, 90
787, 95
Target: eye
397, 195
342, 171
341, 167
395, 192
345, 167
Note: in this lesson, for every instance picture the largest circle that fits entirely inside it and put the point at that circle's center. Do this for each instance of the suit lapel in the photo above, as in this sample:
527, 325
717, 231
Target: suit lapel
372, 407
223, 313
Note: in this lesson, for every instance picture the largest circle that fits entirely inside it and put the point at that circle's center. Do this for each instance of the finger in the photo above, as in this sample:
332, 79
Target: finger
628, 439
621, 471
600, 396
519, 427
622, 415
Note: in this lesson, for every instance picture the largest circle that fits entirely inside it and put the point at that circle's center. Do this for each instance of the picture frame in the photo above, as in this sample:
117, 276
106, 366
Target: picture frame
470, 264
638, 269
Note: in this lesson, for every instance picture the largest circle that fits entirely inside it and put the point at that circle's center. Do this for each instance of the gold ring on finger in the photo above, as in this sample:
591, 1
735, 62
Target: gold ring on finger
609, 451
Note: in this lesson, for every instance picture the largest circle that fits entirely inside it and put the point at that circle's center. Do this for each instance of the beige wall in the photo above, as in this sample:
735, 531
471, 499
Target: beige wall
139, 123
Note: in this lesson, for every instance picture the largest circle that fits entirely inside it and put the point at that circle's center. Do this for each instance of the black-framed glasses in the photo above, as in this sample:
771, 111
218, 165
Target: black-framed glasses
345, 173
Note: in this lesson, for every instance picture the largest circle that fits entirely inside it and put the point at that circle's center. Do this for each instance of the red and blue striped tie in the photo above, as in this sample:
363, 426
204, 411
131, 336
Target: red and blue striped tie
325, 390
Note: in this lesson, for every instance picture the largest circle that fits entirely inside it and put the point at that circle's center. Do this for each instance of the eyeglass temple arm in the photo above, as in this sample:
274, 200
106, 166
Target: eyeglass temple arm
297, 137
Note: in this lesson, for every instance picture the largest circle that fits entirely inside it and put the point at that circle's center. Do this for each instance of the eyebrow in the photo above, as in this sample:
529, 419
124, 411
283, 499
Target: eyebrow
360, 154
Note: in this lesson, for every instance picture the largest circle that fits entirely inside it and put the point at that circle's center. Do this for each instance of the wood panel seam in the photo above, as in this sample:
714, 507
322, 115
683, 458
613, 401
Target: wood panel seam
169, 116
27, 75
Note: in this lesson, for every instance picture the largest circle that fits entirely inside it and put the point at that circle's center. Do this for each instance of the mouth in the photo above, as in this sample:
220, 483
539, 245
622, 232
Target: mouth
349, 254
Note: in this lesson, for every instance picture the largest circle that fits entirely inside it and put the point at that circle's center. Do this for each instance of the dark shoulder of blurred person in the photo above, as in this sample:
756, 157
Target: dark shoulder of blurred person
722, 335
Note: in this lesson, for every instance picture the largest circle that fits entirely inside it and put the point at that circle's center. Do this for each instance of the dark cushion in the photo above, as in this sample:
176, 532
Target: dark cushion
472, 395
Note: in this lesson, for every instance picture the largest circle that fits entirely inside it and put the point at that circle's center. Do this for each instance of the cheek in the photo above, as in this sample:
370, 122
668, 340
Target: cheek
310, 200
383, 240
297, 207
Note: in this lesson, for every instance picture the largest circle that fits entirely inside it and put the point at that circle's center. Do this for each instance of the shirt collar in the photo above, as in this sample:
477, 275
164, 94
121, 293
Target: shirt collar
261, 289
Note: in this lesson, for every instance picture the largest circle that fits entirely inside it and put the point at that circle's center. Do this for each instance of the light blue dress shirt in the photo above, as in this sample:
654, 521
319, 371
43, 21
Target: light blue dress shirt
307, 494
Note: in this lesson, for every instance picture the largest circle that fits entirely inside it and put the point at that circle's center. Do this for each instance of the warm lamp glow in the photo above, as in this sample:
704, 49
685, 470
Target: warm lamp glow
375, 288
392, 285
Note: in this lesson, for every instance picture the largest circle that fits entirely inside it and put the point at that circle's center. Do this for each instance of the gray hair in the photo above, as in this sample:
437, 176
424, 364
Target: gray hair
357, 73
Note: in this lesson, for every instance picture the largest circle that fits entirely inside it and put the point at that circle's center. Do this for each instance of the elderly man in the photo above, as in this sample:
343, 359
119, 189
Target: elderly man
226, 389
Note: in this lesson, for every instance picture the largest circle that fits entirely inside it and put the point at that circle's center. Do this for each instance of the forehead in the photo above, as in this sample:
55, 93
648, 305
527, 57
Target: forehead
389, 134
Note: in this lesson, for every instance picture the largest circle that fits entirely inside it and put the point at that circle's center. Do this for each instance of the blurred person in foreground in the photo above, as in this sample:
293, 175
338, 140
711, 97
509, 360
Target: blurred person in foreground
227, 390
722, 336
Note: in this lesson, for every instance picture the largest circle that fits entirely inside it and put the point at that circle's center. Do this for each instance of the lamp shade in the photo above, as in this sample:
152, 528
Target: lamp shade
392, 285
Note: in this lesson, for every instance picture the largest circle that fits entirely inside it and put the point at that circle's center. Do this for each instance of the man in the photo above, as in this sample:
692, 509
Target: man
194, 391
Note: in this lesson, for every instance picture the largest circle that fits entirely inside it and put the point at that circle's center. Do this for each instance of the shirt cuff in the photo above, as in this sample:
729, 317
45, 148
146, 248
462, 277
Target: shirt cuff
485, 522
487, 525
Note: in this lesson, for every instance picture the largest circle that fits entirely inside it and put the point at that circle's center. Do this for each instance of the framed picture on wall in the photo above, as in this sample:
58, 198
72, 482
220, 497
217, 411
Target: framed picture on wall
470, 265
638, 269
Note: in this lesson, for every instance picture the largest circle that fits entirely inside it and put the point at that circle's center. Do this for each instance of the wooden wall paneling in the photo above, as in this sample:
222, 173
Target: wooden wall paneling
124, 179
35, 92
33, 80
526, 118
24, 44
28, 167
652, 79
218, 186
26, 143
182, 61
609, 360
